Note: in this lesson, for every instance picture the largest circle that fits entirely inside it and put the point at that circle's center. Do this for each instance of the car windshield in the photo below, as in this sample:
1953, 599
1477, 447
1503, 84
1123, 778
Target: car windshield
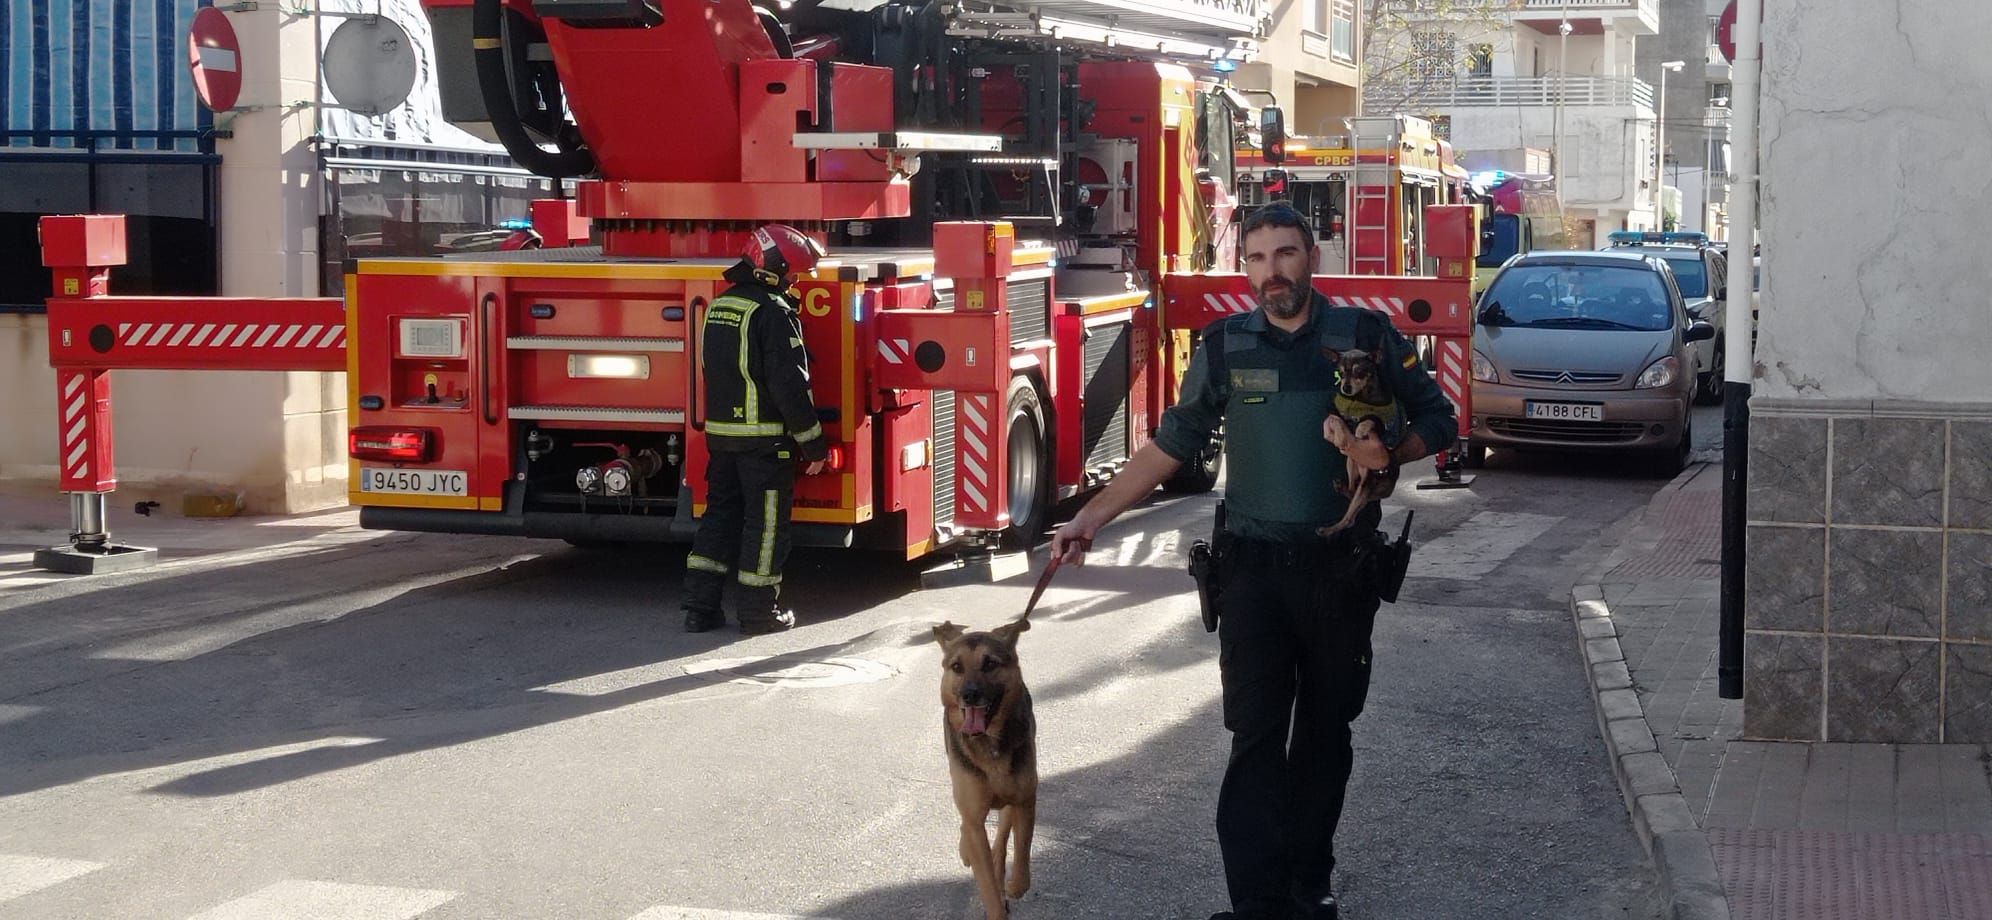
1579, 297
1690, 274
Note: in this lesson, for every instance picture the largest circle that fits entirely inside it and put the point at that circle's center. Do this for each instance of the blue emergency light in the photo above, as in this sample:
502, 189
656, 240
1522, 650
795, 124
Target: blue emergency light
1638, 237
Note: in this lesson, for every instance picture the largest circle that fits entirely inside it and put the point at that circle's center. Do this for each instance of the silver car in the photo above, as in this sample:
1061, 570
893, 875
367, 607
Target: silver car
1585, 351
1701, 272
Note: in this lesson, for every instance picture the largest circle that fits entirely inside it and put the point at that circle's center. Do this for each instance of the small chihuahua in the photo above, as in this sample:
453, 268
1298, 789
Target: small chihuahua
1362, 405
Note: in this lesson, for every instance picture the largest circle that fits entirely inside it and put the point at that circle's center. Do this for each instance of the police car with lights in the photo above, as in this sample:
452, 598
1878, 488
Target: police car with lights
1701, 271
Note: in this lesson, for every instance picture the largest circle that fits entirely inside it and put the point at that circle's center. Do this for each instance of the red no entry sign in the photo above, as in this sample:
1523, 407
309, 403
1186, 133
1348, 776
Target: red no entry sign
1725, 34
216, 58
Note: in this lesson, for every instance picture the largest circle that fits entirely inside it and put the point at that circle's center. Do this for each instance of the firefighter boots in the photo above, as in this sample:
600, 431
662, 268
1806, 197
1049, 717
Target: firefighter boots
765, 618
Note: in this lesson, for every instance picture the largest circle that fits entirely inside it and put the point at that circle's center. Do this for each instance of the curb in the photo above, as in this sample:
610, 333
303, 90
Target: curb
1660, 815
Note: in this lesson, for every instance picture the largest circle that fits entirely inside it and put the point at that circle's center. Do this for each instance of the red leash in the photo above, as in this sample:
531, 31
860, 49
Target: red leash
1044, 581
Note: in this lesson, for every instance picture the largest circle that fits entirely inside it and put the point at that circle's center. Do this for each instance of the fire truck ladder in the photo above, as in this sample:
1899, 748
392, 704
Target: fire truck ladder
1369, 204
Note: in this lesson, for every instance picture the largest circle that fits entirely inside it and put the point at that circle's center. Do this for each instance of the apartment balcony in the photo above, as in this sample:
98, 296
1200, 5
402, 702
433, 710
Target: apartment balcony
1591, 17
1600, 128
1203, 28
1480, 92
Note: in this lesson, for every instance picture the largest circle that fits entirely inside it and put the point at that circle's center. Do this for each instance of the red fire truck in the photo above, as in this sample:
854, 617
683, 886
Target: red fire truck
986, 337
1026, 218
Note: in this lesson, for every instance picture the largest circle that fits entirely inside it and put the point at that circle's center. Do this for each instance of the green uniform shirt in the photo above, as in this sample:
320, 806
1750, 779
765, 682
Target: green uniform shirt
1271, 390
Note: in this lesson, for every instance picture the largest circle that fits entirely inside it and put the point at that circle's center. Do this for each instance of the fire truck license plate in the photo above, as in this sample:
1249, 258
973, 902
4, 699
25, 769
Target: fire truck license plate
1565, 412
413, 482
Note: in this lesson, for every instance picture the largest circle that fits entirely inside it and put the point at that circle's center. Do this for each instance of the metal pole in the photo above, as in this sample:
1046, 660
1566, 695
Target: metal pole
1562, 83
1739, 355
1660, 151
86, 521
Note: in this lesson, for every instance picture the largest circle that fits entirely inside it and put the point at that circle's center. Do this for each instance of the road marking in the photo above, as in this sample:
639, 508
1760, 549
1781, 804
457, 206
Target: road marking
700, 913
1479, 546
21, 875
295, 899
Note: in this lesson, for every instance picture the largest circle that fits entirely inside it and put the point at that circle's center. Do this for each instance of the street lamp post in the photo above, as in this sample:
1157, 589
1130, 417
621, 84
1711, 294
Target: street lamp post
1660, 143
1562, 81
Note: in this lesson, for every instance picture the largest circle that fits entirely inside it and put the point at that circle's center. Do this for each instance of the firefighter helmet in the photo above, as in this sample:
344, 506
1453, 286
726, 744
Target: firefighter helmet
783, 251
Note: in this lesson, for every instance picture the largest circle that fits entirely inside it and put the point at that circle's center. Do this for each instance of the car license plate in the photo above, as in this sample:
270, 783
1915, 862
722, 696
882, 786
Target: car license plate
1565, 412
414, 482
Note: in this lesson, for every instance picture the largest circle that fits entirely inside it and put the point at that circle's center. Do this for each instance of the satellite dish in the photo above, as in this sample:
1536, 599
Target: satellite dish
369, 65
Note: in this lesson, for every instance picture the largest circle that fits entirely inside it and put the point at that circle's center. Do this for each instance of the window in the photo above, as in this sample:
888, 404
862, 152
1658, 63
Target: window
1480, 61
167, 200
1342, 40
420, 209
1315, 19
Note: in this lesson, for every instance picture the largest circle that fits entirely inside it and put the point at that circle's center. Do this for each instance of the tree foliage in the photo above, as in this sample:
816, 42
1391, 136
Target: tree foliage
1414, 47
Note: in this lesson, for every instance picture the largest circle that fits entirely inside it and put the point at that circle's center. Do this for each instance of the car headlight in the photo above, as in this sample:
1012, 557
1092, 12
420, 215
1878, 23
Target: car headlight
1658, 374
1483, 369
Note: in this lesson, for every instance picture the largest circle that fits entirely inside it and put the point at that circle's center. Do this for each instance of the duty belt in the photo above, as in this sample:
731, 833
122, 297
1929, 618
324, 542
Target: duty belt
1291, 555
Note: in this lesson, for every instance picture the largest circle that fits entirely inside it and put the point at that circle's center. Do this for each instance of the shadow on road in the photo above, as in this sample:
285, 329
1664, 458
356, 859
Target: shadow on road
331, 644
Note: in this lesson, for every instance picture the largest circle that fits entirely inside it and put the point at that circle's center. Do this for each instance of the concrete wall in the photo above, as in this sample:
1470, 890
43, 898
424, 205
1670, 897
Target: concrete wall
1870, 541
277, 439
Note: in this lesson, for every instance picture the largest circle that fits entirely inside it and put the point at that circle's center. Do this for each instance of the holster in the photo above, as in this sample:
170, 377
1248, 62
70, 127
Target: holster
1387, 562
1206, 558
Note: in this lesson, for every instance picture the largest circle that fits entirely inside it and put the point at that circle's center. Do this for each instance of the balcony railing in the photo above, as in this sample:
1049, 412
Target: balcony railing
1464, 91
1534, 6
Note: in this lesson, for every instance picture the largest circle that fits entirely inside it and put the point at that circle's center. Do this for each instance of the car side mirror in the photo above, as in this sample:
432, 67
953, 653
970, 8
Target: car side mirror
1698, 331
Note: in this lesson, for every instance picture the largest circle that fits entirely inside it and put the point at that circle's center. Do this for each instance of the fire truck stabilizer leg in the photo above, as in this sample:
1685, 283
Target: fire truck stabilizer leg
975, 565
1451, 472
90, 551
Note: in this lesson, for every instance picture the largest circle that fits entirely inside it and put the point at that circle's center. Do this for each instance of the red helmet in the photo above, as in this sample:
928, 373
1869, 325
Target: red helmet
783, 251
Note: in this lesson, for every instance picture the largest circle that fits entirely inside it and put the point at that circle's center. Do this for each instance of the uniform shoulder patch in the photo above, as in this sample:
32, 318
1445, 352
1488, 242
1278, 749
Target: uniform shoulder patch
1410, 360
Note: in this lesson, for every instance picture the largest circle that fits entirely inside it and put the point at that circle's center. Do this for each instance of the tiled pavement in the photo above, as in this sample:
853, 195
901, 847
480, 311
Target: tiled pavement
1764, 830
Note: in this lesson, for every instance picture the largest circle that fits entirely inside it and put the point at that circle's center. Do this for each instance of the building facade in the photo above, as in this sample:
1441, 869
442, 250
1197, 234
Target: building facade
1695, 112
1544, 75
1869, 572
1310, 62
268, 200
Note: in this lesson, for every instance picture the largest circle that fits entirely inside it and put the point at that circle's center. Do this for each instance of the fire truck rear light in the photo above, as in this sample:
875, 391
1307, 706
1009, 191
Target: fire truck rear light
913, 456
399, 445
834, 461
626, 367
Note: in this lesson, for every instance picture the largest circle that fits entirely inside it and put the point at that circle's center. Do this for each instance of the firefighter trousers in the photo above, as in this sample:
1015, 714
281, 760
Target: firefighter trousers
744, 535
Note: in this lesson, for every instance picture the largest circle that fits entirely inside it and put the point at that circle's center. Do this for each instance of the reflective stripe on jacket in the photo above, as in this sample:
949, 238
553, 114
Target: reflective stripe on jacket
757, 373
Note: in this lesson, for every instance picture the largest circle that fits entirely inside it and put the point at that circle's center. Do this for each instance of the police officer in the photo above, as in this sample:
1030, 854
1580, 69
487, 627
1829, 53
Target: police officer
1296, 609
759, 419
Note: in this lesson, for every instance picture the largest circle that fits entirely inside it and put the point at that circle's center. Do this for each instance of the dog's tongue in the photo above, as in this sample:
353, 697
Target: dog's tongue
974, 720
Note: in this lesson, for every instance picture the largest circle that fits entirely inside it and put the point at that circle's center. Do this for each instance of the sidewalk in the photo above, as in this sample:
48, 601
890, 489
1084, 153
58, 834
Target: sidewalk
37, 520
1756, 830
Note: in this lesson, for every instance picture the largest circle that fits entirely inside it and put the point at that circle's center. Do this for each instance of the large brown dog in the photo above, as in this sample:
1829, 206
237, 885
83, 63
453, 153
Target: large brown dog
991, 739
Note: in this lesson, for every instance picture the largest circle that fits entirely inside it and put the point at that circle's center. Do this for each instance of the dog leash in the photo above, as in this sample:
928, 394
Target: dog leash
1044, 581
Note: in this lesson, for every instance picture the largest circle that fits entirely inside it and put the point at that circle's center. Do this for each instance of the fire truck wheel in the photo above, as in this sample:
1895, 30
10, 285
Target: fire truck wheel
1199, 475
1030, 467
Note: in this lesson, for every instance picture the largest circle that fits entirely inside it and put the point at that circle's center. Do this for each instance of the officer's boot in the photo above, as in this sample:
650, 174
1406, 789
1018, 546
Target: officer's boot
702, 601
759, 612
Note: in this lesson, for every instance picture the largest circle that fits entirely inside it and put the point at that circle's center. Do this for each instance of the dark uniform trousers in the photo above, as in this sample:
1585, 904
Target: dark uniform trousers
1294, 642
744, 534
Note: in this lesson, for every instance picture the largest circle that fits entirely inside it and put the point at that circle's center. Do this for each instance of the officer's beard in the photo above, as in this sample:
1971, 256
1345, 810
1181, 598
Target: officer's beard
1283, 297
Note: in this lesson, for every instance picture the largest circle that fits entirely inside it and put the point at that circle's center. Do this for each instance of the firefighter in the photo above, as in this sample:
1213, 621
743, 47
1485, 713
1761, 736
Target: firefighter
759, 424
